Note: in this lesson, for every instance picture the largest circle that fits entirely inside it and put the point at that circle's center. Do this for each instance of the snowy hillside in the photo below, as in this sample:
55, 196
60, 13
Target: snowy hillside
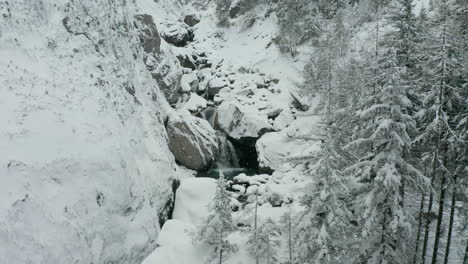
233, 131
85, 169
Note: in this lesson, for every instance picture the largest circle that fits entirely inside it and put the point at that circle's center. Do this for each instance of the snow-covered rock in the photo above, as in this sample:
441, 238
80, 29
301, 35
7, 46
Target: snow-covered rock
177, 33
196, 103
277, 149
192, 141
192, 199
284, 119
242, 121
189, 82
215, 85
84, 163
158, 57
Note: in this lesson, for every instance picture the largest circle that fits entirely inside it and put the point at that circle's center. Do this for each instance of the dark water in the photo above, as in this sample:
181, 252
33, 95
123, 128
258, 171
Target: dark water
229, 173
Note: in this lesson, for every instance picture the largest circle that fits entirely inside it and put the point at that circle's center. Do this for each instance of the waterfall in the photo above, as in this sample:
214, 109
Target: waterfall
209, 114
227, 157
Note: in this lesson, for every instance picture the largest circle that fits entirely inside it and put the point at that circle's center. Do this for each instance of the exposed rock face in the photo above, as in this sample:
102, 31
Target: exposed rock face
149, 35
191, 20
192, 141
162, 64
241, 124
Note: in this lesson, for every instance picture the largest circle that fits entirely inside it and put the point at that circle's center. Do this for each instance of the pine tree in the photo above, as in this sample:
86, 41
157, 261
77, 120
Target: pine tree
264, 241
383, 146
443, 105
218, 225
287, 227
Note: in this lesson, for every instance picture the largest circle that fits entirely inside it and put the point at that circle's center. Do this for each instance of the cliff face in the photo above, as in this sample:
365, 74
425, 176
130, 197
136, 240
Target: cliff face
84, 164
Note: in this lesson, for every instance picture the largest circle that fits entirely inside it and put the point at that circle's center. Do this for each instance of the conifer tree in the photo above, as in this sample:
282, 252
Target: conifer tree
443, 105
218, 225
383, 147
264, 242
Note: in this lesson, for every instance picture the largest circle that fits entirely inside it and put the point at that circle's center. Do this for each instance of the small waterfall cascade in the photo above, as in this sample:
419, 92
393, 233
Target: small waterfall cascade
227, 157
209, 114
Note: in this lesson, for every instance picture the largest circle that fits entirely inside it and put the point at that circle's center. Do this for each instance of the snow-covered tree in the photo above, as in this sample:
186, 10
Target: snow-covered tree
443, 107
382, 144
264, 242
218, 225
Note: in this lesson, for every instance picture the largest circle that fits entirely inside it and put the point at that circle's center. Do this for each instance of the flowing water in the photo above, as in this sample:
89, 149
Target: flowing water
228, 159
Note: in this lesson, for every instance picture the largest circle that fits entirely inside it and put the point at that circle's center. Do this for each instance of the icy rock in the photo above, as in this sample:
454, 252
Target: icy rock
192, 141
189, 82
242, 122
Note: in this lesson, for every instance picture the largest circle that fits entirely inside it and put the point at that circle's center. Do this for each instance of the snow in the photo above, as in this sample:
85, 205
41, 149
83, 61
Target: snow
195, 103
192, 199
84, 165
189, 82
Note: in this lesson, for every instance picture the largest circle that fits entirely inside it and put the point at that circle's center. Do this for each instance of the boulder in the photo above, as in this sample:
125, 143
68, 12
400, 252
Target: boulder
283, 120
277, 149
192, 141
215, 85
191, 20
196, 103
189, 82
178, 35
186, 61
242, 122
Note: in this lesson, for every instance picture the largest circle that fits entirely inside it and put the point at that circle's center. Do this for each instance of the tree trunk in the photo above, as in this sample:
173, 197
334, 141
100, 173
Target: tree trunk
290, 236
465, 259
221, 247
441, 212
452, 215
418, 237
255, 224
429, 206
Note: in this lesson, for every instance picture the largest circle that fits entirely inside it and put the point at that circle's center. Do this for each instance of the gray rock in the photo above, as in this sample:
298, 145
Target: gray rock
191, 20
149, 36
192, 141
178, 35
162, 64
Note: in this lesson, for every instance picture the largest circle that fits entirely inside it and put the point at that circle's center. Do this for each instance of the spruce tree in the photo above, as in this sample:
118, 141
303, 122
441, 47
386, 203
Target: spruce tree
264, 242
218, 225
383, 147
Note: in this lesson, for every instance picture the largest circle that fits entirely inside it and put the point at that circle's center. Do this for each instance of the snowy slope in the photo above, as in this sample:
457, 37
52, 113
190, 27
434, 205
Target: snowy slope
84, 163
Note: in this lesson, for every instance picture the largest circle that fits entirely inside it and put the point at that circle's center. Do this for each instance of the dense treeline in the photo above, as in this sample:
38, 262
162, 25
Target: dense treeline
391, 182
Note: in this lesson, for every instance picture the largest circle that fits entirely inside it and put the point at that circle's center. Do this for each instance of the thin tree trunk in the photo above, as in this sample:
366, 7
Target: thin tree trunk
465, 259
290, 235
452, 215
255, 223
431, 198
221, 247
418, 237
441, 212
